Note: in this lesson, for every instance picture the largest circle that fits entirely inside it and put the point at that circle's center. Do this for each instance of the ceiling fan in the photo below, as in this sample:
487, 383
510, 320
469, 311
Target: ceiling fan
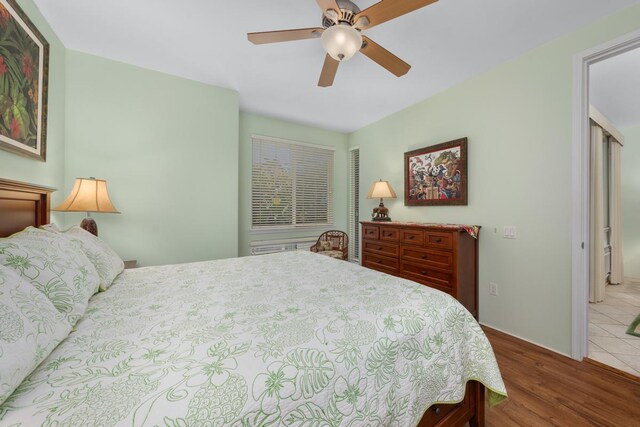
341, 34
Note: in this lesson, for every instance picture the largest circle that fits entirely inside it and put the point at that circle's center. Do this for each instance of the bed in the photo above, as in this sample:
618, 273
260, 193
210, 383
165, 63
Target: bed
286, 339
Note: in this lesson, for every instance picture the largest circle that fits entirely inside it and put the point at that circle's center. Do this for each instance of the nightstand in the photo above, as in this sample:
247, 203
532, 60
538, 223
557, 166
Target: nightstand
130, 264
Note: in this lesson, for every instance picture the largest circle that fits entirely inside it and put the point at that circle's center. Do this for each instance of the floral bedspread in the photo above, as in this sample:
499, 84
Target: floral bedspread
293, 339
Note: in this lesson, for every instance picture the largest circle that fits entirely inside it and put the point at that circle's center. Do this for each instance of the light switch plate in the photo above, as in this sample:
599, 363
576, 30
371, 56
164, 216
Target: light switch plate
510, 232
493, 289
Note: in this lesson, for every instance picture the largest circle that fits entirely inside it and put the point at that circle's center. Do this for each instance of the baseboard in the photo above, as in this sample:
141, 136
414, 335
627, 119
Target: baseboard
527, 340
611, 369
633, 280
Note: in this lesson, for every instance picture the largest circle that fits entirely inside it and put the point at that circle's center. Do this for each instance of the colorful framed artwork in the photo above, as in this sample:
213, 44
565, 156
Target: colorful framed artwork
436, 175
24, 70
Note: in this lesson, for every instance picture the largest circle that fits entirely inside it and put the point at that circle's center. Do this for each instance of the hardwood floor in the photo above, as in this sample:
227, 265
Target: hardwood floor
547, 389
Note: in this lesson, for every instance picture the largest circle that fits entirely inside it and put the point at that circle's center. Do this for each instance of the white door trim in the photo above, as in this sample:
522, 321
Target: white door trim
580, 184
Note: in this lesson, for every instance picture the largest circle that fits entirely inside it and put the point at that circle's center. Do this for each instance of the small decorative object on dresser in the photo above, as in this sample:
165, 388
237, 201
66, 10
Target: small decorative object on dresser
88, 195
436, 175
441, 256
381, 190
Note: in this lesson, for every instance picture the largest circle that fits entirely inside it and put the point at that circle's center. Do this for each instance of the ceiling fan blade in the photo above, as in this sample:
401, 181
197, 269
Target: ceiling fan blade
386, 10
384, 58
285, 35
329, 70
330, 5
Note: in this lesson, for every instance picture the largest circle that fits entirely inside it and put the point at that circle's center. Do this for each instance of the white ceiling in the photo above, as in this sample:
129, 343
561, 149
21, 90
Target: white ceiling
205, 40
615, 88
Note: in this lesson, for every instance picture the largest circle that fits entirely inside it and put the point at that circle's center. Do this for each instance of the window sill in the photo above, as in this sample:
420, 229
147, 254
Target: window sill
274, 230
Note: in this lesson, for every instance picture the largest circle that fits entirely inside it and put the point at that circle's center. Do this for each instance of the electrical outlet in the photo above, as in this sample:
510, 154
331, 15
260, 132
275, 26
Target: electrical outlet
510, 232
493, 289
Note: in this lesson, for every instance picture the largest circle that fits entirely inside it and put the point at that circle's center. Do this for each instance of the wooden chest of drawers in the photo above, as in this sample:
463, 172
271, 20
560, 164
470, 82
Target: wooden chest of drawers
444, 257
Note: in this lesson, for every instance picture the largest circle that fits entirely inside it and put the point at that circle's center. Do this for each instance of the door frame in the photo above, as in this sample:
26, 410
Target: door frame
581, 238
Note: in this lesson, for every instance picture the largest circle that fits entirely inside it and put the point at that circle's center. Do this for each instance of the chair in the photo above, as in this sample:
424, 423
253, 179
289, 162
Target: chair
334, 243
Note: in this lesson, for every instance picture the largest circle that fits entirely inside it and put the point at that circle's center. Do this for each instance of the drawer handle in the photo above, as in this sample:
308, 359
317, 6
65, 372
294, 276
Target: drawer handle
424, 257
436, 409
423, 272
379, 261
411, 237
379, 248
438, 240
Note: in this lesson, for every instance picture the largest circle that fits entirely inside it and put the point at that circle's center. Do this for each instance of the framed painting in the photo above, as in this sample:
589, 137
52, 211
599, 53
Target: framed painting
436, 175
24, 70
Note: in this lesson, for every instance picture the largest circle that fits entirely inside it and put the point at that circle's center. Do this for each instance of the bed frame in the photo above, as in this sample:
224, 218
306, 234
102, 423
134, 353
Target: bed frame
470, 410
23, 205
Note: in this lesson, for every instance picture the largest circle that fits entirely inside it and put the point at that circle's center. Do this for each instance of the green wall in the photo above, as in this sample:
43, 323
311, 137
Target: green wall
51, 172
252, 124
517, 117
176, 154
168, 148
631, 202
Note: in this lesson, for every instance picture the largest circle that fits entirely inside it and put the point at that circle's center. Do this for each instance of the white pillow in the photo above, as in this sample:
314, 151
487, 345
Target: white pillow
106, 262
30, 328
55, 265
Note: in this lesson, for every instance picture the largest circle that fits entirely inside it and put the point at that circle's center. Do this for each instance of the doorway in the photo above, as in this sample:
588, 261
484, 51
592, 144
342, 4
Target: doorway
614, 295
583, 232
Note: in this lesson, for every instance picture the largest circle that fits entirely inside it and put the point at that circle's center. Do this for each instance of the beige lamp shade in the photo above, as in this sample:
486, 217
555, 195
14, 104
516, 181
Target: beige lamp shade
88, 195
381, 190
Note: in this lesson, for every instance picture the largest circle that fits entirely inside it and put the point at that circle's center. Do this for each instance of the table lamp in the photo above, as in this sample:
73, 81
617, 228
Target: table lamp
381, 190
88, 195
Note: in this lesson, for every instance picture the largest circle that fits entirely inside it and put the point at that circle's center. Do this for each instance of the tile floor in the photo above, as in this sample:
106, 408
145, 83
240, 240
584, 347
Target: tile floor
608, 321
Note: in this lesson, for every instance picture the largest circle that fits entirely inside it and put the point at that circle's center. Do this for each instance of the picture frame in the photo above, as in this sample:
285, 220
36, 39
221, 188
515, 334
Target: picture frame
436, 175
24, 81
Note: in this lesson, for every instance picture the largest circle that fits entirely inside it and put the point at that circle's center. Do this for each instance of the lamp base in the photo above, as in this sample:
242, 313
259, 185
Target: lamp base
89, 225
380, 213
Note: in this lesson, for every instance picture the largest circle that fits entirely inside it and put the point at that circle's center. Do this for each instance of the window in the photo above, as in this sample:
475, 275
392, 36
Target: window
354, 205
291, 184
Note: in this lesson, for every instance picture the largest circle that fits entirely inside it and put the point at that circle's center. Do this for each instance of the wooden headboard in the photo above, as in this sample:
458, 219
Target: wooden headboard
22, 205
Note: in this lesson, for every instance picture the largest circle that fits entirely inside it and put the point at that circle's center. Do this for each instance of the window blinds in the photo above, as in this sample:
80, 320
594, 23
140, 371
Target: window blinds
354, 204
291, 184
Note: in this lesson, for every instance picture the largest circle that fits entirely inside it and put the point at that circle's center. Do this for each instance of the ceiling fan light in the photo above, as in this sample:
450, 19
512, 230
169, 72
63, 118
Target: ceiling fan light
341, 41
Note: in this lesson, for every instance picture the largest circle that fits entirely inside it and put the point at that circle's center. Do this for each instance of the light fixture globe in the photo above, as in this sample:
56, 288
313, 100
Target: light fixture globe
341, 41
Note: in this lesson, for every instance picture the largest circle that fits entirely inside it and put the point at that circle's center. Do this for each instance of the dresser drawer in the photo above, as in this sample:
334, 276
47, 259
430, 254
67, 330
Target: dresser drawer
389, 234
434, 239
412, 237
380, 263
442, 280
429, 257
381, 248
370, 232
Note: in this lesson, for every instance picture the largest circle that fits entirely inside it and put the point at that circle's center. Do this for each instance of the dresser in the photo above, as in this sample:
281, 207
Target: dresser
441, 256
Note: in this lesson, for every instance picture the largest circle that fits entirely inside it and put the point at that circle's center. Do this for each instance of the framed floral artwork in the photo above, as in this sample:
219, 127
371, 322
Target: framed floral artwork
24, 69
436, 175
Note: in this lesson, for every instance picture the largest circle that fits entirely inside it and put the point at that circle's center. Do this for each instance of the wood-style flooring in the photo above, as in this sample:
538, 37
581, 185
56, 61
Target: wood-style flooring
548, 389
